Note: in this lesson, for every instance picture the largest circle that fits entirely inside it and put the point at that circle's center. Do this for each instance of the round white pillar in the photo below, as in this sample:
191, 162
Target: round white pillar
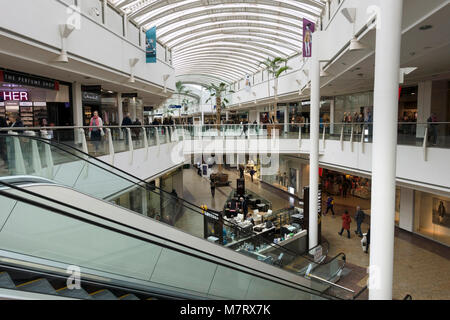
384, 149
314, 139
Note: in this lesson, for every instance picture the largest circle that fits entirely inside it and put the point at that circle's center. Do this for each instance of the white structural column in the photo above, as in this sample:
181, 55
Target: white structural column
384, 149
314, 73
77, 104
77, 110
120, 108
286, 118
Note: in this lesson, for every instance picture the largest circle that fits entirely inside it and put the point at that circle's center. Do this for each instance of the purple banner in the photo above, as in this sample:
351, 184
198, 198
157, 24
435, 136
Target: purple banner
308, 30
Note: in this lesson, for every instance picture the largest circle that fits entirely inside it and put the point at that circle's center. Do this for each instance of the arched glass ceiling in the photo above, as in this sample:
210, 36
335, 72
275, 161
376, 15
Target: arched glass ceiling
222, 40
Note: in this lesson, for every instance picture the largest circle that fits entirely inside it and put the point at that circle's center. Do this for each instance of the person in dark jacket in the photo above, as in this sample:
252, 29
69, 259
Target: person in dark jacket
213, 188
346, 220
125, 123
127, 120
3, 152
18, 124
359, 217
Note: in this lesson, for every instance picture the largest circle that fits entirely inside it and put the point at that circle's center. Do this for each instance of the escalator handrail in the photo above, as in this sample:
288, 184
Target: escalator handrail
148, 187
163, 244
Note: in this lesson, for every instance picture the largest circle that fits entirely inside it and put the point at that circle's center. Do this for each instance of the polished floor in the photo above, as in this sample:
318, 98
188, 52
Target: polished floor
421, 266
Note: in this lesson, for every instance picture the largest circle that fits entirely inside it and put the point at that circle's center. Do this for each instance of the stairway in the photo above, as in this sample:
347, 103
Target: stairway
14, 280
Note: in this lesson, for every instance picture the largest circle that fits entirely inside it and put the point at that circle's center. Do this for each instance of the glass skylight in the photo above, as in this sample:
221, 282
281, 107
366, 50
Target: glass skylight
222, 40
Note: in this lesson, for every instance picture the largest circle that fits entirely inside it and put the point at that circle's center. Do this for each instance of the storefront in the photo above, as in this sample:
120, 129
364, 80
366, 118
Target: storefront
34, 98
292, 175
432, 216
105, 102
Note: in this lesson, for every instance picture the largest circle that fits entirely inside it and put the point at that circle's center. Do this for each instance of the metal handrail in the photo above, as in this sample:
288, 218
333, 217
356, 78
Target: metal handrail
208, 125
330, 283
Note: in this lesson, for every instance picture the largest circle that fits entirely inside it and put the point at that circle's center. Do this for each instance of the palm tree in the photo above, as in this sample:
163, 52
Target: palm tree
274, 68
219, 92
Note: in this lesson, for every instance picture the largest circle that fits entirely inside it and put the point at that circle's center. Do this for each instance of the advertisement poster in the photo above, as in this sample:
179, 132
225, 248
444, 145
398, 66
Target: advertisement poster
150, 45
441, 212
308, 30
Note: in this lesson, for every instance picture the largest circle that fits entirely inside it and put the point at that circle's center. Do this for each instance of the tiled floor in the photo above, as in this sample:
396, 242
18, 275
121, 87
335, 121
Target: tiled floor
421, 267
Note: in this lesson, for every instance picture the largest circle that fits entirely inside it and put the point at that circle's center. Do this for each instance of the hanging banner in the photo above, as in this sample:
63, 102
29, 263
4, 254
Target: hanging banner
308, 29
150, 45
248, 84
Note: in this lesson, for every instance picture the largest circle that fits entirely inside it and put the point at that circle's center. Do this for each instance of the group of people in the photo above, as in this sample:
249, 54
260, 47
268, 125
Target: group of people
11, 123
347, 220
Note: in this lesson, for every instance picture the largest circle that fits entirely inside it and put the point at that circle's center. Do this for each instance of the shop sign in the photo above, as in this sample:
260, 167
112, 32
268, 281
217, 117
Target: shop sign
91, 97
130, 95
28, 80
15, 96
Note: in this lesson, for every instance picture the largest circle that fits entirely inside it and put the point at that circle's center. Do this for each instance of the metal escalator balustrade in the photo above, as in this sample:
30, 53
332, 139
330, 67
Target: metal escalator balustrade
144, 259
16, 279
96, 178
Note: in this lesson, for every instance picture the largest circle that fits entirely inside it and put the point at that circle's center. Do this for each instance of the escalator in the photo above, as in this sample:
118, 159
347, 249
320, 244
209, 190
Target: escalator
65, 176
117, 248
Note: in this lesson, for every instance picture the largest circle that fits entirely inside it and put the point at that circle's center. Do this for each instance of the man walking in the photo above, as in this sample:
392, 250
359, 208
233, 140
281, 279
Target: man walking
359, 217
213, 188
330, 205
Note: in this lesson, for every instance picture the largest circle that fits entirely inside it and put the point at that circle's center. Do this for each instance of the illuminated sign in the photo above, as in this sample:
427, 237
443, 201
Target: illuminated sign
15, 96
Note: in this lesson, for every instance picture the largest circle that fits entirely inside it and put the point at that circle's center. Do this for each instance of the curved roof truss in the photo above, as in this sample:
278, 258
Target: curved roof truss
222, 40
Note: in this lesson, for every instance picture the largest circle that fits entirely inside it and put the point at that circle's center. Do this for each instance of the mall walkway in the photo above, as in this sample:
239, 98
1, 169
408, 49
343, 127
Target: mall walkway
420, 265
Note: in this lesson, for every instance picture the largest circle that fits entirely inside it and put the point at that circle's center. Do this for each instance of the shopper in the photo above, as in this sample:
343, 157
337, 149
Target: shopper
3, 151
330, 205
359, 217
252, 173
241, 172
96, 131
346, 220
213, 188
432, 127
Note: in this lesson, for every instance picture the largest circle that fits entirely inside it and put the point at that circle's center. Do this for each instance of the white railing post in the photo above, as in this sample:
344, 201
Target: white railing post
167, 134
351, 140
424, 146
342, 138
84, 146
158, 143
18, 155
362, 140
110, 145
145, 143
130, 145
300, 136
323, 136
35, 157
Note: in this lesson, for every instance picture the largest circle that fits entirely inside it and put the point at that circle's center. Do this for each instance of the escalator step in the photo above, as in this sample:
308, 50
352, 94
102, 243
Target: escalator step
75, 293
38, 286
6, 281
129, 297
103, 295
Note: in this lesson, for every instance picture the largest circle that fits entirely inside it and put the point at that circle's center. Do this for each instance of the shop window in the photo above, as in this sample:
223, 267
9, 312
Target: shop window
432, 216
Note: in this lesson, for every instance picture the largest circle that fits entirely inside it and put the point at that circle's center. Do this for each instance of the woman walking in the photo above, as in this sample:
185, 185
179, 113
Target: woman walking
346, 220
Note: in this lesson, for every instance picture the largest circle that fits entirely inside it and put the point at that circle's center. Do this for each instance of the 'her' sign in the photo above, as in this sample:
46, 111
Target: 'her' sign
15, 96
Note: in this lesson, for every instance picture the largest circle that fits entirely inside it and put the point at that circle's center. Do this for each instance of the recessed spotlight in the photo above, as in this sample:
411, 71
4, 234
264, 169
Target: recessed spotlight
425, 27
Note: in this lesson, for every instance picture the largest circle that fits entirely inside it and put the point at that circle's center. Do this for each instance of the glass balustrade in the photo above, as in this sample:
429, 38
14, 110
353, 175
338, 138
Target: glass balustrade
98, 179
125, 253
